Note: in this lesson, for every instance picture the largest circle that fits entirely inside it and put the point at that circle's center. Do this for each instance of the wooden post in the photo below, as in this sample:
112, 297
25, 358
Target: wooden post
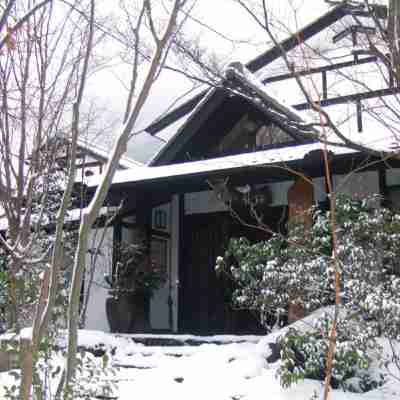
300, 200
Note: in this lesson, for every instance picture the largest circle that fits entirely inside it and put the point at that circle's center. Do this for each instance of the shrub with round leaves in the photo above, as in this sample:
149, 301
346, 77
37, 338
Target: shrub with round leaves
298, 269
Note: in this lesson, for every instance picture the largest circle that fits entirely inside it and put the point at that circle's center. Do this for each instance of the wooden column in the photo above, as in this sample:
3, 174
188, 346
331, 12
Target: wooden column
300, 200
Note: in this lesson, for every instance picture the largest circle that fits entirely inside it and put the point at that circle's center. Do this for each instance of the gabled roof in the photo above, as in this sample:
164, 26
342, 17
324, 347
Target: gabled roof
210, 99
259, 62
187, 118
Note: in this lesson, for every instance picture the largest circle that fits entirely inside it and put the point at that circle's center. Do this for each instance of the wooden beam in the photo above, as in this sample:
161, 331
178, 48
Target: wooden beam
379, 10
302, 35
325, 68
353, 31
351, 98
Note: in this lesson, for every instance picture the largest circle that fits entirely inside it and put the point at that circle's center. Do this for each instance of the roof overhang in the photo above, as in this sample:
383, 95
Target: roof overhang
269, 166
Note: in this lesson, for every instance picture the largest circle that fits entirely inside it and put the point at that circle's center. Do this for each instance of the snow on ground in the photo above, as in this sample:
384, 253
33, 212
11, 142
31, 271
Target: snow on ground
228, 371
235, 369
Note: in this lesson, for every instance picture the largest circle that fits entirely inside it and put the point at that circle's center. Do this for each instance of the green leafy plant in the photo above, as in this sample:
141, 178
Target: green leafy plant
297, 269
303, 355
134, 272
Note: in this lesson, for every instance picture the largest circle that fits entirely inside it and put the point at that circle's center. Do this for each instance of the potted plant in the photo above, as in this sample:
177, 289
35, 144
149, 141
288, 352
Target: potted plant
133, 282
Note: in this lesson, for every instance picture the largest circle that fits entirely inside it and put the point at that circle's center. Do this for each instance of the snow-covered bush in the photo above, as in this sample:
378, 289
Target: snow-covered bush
298, 270
303, 355
272, 274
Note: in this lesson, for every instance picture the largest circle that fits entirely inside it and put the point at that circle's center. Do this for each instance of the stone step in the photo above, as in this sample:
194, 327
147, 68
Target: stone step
151, 341
191, 340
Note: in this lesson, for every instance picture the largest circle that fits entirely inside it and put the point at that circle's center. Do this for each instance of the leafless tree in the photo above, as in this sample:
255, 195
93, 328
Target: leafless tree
161, 38
44, 67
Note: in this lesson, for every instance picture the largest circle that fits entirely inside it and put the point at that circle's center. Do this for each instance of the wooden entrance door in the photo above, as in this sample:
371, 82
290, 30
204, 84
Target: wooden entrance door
205, 299
202, 302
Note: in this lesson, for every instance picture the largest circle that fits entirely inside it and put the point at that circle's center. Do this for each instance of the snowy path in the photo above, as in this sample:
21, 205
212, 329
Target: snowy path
228, 371
220, 372
209, 371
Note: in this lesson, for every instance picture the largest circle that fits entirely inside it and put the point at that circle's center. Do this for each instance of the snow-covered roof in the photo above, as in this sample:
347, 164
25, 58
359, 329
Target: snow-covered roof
125, 162
221, 164
73, 215
258, 94
142, 147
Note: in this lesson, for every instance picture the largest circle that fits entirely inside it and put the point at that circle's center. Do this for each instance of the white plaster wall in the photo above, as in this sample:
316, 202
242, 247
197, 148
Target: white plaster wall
207, 201
357, 185
96, 318
319, 189
279, 192
203, 202
393, 177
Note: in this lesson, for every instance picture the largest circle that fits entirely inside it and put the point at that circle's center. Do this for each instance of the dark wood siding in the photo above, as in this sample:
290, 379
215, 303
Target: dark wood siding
204, 237
204, 303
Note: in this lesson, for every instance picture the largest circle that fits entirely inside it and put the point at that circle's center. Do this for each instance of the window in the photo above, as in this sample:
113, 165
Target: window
160, 254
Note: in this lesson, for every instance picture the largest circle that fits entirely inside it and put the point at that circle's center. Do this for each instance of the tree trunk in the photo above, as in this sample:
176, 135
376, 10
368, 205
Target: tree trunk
394, 36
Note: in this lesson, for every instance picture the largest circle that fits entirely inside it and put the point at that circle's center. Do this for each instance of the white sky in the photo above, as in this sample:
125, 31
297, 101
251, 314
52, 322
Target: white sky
222, 16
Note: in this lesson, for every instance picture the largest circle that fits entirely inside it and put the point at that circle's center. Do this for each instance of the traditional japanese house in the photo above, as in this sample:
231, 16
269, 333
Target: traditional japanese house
246, 155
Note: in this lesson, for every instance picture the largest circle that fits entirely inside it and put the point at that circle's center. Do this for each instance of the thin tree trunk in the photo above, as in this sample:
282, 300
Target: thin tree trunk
90, 215
49, 287
338, 302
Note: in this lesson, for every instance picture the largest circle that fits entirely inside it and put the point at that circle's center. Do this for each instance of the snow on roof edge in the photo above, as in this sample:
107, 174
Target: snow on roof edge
220, 164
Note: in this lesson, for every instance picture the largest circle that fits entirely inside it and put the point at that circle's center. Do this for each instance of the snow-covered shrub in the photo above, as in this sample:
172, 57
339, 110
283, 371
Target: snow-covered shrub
272, 274
297, 269
95, 378
303, 355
